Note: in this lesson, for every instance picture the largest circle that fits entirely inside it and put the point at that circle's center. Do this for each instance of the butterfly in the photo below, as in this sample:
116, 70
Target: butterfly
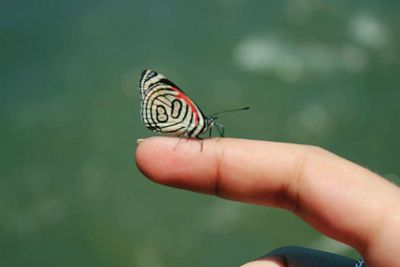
165, 108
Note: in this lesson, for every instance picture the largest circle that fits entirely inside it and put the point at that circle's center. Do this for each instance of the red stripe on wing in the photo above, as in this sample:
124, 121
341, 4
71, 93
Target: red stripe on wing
189, 102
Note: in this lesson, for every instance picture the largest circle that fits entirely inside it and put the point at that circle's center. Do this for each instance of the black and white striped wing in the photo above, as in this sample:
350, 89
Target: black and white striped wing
167, 109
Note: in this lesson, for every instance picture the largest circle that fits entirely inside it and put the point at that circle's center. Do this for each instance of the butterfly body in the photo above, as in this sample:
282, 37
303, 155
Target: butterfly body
165, 108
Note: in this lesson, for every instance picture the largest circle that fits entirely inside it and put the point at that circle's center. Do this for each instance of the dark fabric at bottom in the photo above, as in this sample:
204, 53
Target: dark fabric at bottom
293, 256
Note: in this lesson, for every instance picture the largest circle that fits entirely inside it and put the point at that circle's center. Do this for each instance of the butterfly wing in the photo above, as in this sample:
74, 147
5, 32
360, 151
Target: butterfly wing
167, 109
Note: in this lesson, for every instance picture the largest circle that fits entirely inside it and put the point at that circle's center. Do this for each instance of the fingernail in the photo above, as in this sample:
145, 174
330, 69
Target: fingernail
138, 141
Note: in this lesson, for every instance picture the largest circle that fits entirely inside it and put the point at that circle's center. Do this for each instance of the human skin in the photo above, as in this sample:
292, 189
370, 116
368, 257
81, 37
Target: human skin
337, 197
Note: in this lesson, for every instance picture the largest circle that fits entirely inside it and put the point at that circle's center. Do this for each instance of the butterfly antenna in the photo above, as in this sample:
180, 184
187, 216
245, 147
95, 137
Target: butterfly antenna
230, 110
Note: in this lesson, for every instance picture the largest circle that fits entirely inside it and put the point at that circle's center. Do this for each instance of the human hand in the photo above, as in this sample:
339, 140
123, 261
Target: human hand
338, 198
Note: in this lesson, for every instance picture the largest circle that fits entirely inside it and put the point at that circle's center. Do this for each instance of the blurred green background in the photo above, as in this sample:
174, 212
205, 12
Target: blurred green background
318, 72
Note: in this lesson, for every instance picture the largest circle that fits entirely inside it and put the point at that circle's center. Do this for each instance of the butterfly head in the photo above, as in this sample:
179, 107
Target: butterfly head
212, 122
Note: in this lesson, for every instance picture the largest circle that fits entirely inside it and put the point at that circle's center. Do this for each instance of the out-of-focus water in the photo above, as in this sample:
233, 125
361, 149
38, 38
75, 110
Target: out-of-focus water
325, 73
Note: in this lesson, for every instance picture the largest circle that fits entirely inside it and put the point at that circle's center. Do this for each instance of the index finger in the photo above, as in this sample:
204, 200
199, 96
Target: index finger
337, 197
234, 169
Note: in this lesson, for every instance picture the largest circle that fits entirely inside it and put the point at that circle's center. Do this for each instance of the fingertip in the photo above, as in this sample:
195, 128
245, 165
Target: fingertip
263, 263
174, 162
149, 153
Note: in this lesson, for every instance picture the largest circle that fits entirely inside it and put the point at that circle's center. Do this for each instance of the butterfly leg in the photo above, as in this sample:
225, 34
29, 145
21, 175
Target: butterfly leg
209, 133
220, 129
181, 137
179, 140
201, 143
